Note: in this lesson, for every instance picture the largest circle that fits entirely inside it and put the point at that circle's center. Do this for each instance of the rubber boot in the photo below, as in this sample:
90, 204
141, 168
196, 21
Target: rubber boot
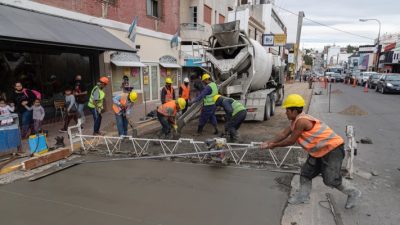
199, 131
216, 130
303, 194
353, 194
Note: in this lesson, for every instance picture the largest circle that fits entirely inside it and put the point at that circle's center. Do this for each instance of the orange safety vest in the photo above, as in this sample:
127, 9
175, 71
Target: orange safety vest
163, 109
185, 92
123, 102
170, 94
318, 141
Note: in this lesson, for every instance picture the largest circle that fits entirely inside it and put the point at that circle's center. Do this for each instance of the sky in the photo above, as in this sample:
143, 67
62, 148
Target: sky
341, 14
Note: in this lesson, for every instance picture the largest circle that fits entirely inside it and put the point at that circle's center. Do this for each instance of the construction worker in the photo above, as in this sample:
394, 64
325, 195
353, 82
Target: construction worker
235, 114
184, 92
208, 111
167, 93
166, 114
96, 103
325, 151
122, 106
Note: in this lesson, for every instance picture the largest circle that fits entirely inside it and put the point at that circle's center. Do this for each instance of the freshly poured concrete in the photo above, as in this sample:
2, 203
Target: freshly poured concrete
145, 192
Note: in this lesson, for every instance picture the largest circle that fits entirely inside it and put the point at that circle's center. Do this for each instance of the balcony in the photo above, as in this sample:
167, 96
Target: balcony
194, 32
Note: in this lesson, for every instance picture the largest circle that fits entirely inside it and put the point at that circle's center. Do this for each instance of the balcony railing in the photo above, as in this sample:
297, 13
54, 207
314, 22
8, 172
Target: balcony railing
192, 26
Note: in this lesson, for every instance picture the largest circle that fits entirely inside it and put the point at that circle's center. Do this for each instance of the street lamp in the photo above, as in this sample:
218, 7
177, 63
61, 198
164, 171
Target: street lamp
377, 45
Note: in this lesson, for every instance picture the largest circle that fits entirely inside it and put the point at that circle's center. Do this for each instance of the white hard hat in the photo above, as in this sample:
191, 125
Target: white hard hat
186, 80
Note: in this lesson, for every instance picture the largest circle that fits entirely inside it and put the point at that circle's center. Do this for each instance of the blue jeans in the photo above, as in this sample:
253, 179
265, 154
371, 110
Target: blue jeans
122, 124
26, 120
96, 120
81, 114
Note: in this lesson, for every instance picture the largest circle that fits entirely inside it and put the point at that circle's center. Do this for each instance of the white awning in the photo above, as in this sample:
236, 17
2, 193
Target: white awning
126, 59
170, 65
128, 64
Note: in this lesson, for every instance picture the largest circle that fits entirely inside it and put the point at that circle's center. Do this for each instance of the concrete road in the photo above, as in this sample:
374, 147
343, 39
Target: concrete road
146, 192
380, 202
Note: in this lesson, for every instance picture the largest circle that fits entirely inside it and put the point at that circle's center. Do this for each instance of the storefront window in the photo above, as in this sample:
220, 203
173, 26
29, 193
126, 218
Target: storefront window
133, 74
168, 72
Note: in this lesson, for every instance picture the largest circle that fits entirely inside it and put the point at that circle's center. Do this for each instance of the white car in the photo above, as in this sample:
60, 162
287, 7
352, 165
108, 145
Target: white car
363, 77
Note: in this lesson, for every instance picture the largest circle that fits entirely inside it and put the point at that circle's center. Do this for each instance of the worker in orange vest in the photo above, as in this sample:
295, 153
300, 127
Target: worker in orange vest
166, 114
184, 92
167, 93
122, 106
324, 147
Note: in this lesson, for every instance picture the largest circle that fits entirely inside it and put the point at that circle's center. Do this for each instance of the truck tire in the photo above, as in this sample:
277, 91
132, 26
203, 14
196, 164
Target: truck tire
272, 105
267, 111
280, 95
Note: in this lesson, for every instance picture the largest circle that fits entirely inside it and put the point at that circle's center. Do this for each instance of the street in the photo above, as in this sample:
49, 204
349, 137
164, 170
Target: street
379, 203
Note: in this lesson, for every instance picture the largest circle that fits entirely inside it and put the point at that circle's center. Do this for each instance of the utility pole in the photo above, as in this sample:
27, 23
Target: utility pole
299, 26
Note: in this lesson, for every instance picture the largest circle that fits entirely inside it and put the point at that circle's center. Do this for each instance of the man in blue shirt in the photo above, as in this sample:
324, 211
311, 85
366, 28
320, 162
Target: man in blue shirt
208, 111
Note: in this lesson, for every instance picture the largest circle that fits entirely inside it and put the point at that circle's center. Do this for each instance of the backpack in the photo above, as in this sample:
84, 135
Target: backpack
37, 94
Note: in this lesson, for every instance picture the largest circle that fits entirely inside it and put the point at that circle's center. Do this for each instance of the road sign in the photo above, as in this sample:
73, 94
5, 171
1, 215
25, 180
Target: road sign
268, 40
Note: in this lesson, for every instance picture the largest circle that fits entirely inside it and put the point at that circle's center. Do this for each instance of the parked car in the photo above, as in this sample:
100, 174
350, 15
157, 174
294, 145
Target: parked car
336, 77
363, 78
389, 82
373, 80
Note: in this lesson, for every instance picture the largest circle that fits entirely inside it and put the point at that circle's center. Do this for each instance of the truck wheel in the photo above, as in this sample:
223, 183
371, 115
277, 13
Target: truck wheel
267, 111
272, 106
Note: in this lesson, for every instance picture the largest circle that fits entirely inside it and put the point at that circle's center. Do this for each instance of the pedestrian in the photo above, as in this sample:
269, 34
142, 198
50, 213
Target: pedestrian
71, 109
6, 110
122, 106
38, 114
23, 97
208, 110
125, 86
96, 103
184, 92
324, 147
80, 93
167, 93
235, 114
166, 114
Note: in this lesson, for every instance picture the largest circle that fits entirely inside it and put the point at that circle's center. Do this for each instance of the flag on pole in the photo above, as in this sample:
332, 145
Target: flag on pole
132, 29
175, 39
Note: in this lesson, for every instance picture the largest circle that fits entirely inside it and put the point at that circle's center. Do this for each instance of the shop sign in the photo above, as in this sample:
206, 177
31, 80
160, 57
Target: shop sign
146, 80
280, 39
268, 40
127, 71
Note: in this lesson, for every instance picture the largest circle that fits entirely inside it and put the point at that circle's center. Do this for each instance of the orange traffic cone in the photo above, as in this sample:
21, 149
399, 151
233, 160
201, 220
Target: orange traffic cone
366, 87
354, 83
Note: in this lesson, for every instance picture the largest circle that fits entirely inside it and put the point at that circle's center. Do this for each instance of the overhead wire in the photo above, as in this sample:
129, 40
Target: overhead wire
325, 25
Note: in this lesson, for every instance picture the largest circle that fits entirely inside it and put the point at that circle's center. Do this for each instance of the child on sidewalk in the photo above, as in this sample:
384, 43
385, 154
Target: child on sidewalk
6, 110
71, 108
37, 115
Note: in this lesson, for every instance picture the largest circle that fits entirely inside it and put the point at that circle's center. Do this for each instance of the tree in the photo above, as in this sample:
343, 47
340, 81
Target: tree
351, 49
308, 60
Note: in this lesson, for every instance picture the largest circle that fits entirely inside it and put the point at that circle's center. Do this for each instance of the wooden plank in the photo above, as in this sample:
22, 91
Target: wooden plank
46, 158
10, 169
53, 170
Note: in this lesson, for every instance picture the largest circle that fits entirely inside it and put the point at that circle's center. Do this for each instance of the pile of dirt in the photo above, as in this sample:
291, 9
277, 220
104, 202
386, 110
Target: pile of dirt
337, 91
353, 110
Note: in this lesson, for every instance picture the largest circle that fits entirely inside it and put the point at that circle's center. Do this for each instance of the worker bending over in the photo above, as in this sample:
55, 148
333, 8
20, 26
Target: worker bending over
166, 114
325, 152
167, 93
208, 110
235, 114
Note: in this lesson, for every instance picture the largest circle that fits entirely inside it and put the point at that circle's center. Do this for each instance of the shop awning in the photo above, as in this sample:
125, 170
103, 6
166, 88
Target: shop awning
26, 26
170, 65
126, 59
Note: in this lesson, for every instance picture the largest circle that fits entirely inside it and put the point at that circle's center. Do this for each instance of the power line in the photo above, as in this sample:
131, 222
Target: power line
319, 23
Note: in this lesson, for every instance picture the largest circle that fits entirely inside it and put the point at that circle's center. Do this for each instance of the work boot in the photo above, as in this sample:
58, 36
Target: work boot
353, 194
199, 131
216, 130
303, 194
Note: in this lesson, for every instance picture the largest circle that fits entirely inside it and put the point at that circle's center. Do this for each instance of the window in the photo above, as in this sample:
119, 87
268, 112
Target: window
153, 8
207, 14
193, 11
221, 18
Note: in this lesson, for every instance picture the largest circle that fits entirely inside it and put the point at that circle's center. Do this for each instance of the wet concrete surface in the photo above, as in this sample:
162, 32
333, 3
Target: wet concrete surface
146, 192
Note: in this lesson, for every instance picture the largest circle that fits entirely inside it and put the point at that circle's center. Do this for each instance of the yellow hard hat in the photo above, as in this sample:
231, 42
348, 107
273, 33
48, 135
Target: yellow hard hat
293, 100
133, 96
216, 97
168, 80
181, 103
205, 76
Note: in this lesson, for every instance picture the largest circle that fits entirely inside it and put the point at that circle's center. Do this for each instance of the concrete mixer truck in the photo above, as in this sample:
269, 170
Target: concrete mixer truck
244, 71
